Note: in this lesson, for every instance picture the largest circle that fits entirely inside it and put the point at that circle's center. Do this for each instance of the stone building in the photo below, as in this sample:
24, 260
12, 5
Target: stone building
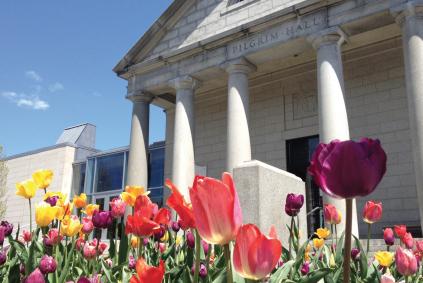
267, 79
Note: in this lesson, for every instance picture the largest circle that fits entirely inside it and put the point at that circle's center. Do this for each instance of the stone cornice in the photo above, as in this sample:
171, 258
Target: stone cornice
140, 96
240, 65
411, 9
184, 82
334, 35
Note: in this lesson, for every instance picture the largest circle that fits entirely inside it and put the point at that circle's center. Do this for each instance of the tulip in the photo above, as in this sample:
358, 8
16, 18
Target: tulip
408, 240
159, 233
318, 243
45, 214
8, 228
26, 189
80, 201
134, 242
53, 197
332, 215
132, 262
365, 162
64, 208
372, 212
175, 226
47, 264
52, 237
205, 247
255, 255
217, 211
35, 277
400, 230
118, 207
102, 219
90, 208
131, 194
145, 241
305, 269
80, 243
90, 250
102, 246
293, 204
388, 236
70, 226
2, 229
146, 273
203, 270
3, 257
384, 258
355, 254
406, 262
42, 178
190, 239
162, 247
322, 233
162, 217
387, 278
87, 225
140, 224
419, 245
26, 236
177, 202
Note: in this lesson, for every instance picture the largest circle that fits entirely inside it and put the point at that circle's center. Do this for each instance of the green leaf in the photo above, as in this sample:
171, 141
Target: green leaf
170, 250
220, 276
107, 272
363, 259
315, 275
283, 272
123, 246
338, 252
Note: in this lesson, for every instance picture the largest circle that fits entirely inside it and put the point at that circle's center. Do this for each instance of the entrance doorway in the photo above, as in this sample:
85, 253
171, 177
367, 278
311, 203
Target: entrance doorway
299, 152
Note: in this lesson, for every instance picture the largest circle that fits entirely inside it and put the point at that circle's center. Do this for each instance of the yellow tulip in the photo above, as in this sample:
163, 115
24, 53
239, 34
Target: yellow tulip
332, 261
318, 243
65, 208
89, 209
45, 214
384, 258
307, 253
42, 178
70, 226
178, 240
323, 233
134, 242
26, 189
131, 193
165, 237
80, 201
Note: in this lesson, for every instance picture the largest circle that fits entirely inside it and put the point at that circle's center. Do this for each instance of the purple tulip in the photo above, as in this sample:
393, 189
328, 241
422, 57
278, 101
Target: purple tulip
355, 253
205, 247
293, 204
3, 258
8, 228
35, 277
83, 280
190, 239
348, 169
52, 200
305, 269
132, 262
175, 226
145, 241
102, 219
2, 235
47, 264
202, 271
159, 233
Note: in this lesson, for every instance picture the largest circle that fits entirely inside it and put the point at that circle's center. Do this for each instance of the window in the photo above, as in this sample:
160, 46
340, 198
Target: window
78, 178
156, 173
109, 173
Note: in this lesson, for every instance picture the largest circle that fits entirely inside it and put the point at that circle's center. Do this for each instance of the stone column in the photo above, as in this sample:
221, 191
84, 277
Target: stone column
238, 133
137, 171
183, 162
410, 18
333, 120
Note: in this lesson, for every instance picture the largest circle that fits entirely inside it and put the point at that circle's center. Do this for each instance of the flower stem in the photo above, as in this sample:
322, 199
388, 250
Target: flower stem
227, 252
291, 236
197, 256
369, 233
30, 216
347, 247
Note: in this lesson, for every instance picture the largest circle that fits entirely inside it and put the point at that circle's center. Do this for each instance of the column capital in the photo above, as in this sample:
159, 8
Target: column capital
184, 82
239, 65
140, 96
411, 9
333, 35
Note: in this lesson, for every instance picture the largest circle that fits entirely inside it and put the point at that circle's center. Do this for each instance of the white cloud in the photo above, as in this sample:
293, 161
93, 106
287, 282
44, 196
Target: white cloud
26, 101
56, 87
33, 76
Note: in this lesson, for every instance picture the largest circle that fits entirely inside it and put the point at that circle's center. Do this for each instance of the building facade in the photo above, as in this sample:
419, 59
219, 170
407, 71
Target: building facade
268, 79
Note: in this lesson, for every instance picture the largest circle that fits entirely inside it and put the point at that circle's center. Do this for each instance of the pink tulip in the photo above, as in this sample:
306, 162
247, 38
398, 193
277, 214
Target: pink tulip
87, 225
406, 262
408, 240
216, 207
388, 236
118, 207
332, 215
27, 236
35, 277
387, 278
419, 245
47, 264
372, 212
348, 169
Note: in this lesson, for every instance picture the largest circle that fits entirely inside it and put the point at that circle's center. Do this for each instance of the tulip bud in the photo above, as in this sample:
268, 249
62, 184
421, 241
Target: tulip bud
387, 278
3, 258
419, 245
372, 212
205, 247
83, 280
145, 241
162, 247
400, 230
132, 262
355, 253
52, 238
35, 277
202, 271
406, 262
159, 233
331, 214
2, 229
388, 236
102, 219
134, 242
79, 244
293, 204
27, 236
408, 240
8, 228
109, 262
305, 269
47, 264
190, 239
175, 226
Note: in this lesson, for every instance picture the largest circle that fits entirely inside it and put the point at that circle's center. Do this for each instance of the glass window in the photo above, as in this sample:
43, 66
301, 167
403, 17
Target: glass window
156, 170
89, 178
109, 172
78, 178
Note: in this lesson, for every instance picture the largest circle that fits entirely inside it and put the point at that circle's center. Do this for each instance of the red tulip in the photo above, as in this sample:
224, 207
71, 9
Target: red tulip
140, 224
177, 202
332, 215
388, 236
372, 212
400, 230
255, 255
147, 273
27, 236
348, 169
406, 262
408, 240
217, 211
163, 216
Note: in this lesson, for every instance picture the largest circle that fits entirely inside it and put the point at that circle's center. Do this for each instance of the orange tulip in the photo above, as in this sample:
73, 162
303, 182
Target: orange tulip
372, 212
177, 202
147, 273
216, 208
255, 255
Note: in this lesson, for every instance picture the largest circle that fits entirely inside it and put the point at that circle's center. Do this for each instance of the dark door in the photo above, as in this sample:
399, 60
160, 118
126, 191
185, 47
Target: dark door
299, 152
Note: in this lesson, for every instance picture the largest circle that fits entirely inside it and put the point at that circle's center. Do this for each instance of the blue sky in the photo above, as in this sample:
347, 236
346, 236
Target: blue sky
56, 60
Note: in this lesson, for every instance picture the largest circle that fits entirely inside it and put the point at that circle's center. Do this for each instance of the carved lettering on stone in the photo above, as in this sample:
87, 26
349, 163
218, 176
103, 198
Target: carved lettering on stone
304, 105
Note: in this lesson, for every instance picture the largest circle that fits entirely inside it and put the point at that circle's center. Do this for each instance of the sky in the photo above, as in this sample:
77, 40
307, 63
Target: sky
56, 61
